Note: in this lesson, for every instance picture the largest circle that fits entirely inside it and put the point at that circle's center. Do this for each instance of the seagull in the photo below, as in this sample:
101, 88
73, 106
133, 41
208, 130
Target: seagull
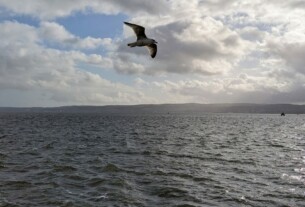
142, 40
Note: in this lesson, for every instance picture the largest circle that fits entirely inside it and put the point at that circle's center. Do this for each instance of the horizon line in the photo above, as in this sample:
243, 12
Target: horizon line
154, 104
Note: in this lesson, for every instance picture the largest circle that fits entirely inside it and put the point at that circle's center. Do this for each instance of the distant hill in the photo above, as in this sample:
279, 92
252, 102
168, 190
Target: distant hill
170, 108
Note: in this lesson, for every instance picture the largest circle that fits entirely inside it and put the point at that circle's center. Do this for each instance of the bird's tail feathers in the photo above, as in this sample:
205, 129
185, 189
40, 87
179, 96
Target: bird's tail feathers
132, 44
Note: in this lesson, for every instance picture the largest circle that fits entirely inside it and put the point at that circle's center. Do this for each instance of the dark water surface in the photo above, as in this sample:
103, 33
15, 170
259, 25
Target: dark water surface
152, 160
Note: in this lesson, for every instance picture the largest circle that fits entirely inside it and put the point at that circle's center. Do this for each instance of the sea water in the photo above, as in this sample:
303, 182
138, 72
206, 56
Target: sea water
70, 159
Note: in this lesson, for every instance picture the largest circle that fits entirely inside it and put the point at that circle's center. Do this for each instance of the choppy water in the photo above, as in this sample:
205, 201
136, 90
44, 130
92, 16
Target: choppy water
152, 160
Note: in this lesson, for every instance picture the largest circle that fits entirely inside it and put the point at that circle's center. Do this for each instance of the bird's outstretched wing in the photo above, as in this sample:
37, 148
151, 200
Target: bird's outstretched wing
138, 30
152, 50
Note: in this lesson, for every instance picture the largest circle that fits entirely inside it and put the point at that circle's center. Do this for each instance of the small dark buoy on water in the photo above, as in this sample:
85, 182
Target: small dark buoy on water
282, 114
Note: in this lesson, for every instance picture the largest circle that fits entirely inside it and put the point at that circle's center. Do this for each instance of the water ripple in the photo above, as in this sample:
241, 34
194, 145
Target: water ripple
180, 160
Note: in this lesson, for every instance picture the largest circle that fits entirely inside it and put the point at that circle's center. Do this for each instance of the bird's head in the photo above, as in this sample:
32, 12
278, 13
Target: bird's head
155, 42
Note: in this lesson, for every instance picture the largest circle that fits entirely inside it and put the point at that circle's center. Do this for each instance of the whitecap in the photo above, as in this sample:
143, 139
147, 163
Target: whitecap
104, 196
300, 170
284, 176
297, 177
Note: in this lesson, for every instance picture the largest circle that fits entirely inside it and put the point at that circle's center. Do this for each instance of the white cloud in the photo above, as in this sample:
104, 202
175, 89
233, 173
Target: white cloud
26, 65
243, 88
54, 32
191, 45
46, 10
291, 53
208, 51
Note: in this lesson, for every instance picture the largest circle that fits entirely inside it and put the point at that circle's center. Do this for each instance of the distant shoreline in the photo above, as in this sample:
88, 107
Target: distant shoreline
170, 108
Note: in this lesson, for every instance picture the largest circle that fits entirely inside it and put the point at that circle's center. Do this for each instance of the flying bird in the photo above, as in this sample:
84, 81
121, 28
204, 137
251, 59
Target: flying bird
142, 40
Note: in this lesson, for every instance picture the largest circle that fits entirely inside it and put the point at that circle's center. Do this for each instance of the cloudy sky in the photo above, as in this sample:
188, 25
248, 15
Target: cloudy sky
74, 52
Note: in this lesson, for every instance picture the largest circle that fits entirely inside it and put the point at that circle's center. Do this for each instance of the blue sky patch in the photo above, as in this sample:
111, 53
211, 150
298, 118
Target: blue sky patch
23, 19
94, 25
